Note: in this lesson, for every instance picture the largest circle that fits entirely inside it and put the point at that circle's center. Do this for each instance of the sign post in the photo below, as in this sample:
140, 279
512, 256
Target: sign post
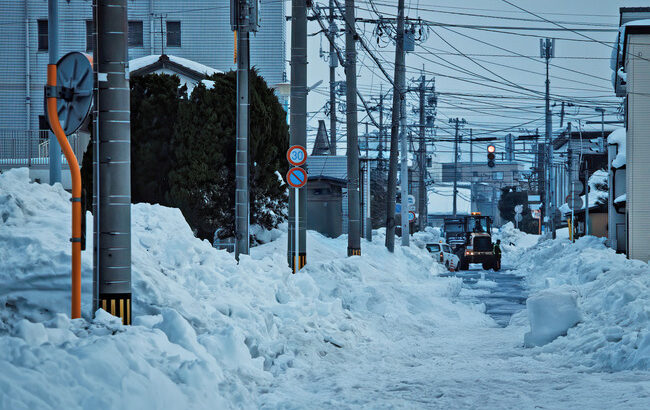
297, 178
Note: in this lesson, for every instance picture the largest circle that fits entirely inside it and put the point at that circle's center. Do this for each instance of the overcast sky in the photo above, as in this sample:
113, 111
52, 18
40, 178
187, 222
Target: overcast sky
580, 72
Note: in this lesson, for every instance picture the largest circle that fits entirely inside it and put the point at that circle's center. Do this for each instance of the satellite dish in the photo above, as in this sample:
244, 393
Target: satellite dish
74, 80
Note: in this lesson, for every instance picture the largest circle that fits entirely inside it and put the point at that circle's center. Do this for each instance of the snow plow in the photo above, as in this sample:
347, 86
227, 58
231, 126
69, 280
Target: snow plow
471, 240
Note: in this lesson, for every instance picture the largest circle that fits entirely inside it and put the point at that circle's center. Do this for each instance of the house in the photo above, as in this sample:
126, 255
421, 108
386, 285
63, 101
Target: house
190, 72
632, 80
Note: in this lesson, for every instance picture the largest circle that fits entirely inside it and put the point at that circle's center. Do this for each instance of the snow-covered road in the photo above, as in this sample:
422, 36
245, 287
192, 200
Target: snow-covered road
482, 367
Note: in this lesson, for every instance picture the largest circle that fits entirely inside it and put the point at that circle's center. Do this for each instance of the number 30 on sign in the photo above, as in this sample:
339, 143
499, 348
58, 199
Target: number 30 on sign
297, 155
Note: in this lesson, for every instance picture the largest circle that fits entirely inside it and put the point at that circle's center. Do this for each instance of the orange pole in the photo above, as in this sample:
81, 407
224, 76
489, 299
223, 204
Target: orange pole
53, 116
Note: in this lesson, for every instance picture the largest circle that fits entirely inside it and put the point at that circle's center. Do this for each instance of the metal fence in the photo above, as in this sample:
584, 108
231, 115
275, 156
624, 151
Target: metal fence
23, 148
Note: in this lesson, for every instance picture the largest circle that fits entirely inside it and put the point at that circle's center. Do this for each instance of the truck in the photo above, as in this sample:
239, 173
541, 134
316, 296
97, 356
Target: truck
470, 237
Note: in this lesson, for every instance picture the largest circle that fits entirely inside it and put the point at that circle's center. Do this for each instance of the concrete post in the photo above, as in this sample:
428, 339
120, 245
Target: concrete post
298, 122
112, 162
53, 57
354, 220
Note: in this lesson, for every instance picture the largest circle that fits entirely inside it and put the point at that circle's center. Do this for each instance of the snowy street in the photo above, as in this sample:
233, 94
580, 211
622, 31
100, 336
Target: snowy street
376, 331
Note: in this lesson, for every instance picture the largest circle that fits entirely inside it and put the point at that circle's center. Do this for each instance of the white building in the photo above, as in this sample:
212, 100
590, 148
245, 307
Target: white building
632, 80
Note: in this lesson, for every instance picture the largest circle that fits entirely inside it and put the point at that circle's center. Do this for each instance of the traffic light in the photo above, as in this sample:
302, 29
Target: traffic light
490, 155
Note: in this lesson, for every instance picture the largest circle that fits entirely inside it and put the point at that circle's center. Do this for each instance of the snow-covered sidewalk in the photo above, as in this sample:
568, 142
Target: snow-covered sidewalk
380, 330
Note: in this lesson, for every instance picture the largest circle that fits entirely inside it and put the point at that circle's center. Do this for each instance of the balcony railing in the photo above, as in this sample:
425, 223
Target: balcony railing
23, 148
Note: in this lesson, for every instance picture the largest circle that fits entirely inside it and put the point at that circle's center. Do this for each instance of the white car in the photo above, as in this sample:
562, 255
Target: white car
443, 254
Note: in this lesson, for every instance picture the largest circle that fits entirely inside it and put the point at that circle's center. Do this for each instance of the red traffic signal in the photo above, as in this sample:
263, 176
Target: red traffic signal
491, 149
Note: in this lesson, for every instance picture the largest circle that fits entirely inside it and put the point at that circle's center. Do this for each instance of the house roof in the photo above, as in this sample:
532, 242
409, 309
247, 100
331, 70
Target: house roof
151, 63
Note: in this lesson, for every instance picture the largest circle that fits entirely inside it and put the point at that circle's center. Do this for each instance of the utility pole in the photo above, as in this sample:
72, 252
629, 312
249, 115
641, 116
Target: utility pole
333, 62
298, 128
457, 122
380, 157
471, 147
404, 176
586, 199
112, 162
354, 225
422, 189
398, 102
547, 51
54, 149
243, 21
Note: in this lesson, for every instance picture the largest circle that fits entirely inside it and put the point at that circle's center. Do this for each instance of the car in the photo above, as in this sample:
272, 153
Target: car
443, 254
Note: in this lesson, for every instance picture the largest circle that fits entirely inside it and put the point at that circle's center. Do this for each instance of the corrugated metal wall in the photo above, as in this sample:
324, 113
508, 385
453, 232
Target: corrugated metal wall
206, 38
638, 146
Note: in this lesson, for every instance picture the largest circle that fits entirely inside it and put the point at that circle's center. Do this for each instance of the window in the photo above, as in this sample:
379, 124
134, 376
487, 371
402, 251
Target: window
135, 34
42, 35
433, 247
173, 34
89, 35
497, 175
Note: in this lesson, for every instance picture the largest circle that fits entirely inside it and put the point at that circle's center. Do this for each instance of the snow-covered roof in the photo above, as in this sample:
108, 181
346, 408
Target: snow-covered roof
595, 196
618, 137
142, 62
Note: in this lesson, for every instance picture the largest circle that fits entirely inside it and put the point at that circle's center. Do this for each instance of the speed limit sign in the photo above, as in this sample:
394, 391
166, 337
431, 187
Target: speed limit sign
297, 155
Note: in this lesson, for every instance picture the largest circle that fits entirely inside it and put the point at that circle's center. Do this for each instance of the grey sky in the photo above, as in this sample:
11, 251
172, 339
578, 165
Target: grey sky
581, 74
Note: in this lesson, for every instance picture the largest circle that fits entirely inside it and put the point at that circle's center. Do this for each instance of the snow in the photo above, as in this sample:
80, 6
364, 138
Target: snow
551, 312
138, 63
379, 330
596, 196
618, 137
613, 296
621, 198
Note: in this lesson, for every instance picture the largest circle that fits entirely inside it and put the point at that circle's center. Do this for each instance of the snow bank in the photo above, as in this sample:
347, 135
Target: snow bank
613, 295
551, 313
514, 243
207, 333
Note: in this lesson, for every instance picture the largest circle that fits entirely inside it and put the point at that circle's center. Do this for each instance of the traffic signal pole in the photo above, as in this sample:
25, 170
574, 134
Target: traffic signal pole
298, 128
112, 162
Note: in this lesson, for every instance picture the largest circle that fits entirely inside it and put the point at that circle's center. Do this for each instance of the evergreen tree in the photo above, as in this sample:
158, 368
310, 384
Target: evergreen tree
183, 150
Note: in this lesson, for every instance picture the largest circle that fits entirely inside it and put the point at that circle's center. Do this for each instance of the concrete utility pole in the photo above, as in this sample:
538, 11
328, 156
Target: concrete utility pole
112, 162
380, 107
398, 101
404, 176
422, 189
243, 20
298, 129
333, 61
547, 51
457, 123
354, 223
54, 148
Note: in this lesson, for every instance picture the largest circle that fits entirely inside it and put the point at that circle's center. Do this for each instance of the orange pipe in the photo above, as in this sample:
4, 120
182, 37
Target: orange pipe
53, 116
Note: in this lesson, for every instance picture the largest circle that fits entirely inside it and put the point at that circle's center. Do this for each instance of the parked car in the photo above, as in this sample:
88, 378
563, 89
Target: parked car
442, 253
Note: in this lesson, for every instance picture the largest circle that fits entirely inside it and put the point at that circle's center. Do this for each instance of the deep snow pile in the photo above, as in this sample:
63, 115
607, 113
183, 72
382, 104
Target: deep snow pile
207, 333
613, 301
